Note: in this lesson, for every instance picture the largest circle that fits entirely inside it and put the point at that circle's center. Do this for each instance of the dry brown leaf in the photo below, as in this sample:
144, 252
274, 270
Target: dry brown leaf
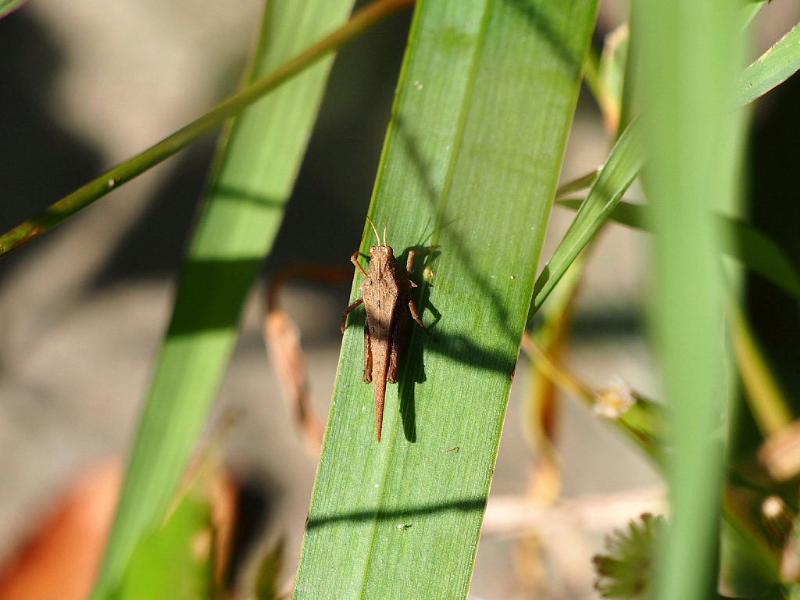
282, 337
286, 353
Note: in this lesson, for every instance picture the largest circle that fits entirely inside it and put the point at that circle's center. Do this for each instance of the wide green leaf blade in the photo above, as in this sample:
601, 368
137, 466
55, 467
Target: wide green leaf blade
256, 166
771, 69
471, 162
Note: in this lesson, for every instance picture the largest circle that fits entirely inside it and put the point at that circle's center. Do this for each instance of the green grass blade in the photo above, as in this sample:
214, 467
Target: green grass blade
617, 174
739, 240
771, 69
7, 6
688, 55
471, 161
769, 406
578, 184
760, 253
255, 172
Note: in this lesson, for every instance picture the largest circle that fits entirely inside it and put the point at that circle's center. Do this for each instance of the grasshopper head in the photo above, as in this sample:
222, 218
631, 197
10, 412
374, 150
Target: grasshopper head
382, 251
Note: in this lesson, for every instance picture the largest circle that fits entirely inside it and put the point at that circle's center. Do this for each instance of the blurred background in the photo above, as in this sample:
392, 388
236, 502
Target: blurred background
85, 84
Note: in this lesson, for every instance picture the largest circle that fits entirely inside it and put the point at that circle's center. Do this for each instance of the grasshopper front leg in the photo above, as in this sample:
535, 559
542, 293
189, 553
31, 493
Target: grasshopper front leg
348, 310
357, 265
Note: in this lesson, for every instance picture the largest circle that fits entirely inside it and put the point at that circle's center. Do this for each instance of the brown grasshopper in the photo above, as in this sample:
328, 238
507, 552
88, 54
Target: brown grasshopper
386, 295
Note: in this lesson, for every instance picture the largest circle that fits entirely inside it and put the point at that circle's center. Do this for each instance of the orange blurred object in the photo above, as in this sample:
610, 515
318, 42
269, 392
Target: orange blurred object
61, 557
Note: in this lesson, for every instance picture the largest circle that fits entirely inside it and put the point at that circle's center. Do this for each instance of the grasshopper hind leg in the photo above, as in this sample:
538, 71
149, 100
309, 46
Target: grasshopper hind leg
397, 347
367, 356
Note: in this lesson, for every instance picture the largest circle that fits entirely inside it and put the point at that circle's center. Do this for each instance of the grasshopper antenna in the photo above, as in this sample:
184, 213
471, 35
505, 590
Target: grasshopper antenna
374, 229
384, 235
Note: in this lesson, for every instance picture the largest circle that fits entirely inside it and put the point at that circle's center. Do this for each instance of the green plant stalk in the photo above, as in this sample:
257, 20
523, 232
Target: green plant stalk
110, 180
254, 171
767, 403
688, 55
471, 160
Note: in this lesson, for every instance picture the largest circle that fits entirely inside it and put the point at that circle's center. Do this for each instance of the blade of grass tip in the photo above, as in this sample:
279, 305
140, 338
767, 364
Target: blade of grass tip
688, 55
255, 169
616, 175
771, 69
110, 180
471, 161
740, 240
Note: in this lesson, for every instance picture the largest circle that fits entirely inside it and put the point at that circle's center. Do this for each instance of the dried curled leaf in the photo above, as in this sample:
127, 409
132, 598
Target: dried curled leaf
282, 337
627, 569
